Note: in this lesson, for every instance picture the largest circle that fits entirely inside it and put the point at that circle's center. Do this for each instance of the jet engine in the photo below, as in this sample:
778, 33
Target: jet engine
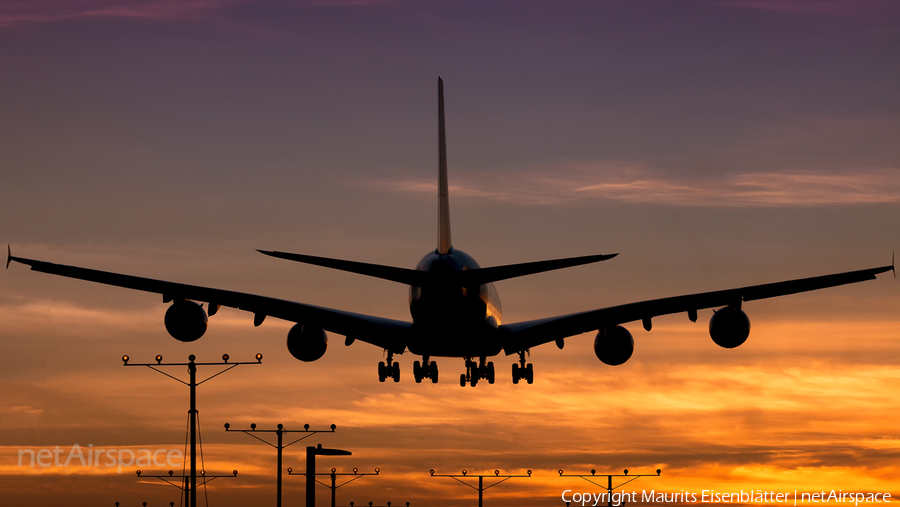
307, 343
729, 327
613, 346
186, 321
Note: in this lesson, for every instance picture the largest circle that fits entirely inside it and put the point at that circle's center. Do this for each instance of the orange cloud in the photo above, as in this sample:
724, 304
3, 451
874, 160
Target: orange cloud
805, 405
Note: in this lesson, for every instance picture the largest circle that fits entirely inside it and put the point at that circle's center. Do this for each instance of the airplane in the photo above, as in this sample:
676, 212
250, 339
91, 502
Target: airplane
454, 306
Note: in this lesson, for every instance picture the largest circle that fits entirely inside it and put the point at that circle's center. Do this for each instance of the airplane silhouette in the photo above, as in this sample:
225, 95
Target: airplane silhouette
454, 306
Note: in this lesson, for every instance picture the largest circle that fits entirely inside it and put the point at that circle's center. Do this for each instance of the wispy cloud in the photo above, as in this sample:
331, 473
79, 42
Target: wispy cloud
829, 7
635, 183
15, 12
45, 315
22, 11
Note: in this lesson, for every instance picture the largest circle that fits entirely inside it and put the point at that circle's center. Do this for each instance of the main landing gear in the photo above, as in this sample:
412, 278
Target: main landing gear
391, 369
521, 370
475, 372
429, 370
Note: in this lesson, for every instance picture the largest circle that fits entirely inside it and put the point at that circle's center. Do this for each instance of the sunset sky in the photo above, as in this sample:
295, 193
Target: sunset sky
712, 144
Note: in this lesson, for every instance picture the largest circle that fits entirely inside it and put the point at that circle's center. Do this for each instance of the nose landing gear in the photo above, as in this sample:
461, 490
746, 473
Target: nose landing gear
522, 371
428, 369
391, 369
475, 372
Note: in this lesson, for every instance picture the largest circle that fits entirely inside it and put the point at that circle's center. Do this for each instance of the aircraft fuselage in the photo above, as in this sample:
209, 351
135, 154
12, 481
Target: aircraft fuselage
450, 319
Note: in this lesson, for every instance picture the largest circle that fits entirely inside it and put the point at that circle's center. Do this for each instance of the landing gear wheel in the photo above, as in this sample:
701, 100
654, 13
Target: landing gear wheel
490, 373
417, 372
382, 372
462, 380
434, 373
473, 381
395, 372
522, 370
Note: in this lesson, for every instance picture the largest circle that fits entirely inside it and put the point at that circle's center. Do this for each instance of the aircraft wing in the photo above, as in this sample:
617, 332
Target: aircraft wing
527, 334
386, 333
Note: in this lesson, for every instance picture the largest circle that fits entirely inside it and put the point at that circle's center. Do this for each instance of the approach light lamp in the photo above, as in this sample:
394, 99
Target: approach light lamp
377, 470
355, 470
658, 471
290, 469
306, 427
560, 471
496, 472
139, 473
191, 358
280, 426
227, 426
626, 471
234, 472
253, 426
464, 472
528, 472
259, 357
125, 359
225, 357
333, 470
333, 427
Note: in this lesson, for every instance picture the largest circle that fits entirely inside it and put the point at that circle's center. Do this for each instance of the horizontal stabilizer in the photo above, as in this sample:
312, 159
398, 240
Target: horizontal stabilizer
486, 275
401, 275
467, 278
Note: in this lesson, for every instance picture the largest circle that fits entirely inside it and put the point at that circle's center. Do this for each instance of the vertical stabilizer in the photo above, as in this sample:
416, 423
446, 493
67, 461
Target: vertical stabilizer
444, 245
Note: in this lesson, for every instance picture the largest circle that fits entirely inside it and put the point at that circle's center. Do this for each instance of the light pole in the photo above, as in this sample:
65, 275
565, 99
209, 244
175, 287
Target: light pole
334, 473
609, 485
481, 487
280, 431
169, 479
311, 453
191, 491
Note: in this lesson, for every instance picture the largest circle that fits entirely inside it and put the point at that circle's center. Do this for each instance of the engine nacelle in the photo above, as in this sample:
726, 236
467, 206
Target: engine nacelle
614, 346
307, 343
186, 321
729, 327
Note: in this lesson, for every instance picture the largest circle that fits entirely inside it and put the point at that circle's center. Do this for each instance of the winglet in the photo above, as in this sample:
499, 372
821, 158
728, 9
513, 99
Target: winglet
892, 266
8, 255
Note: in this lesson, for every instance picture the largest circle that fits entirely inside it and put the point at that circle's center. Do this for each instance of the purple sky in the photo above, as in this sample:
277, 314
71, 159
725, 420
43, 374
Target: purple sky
712, 144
